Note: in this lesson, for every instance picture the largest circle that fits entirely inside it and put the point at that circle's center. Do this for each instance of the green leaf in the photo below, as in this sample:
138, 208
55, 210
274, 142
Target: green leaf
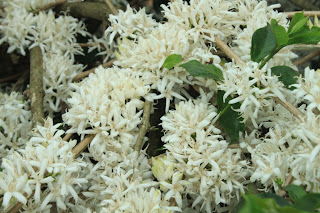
286, 75
309, 202
279, 200
255, 204
172, 60
299, 25
229, 120
263, 43
315, 29
304, 29
312, 37
195, 68
295, 192
279, 33
297, 18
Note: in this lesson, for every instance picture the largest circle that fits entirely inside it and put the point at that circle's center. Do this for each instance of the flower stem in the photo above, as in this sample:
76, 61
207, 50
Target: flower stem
144, 125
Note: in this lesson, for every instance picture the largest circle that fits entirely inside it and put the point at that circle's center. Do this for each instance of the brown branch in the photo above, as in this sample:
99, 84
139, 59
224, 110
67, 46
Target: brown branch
305, 47
87, 45
67, 137
11, 77
282, 192
145, 123
95, 10
20, 81
112, 7
48, 6
237, 146
307, 58
224, 47
86, 73
82, 145
36, 85
307, 5
296, 112
17, 207
306, 13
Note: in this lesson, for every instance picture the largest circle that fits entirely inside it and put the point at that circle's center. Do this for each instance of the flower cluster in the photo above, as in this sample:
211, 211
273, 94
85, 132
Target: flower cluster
46, 162
56, 37
200, 170
15, 123
198, 162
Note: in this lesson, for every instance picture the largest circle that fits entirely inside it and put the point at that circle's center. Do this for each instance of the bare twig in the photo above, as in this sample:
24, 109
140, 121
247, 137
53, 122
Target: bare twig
112, 7
307, 58
307, 5
296, 112
48, 6
95, 10
282, 192
237, 146
82, 145
20, 81
305, 47
67, 136
289, 179
86, 73
306, 13
11, 77
17, 207
224, 47
36, 85
144, 125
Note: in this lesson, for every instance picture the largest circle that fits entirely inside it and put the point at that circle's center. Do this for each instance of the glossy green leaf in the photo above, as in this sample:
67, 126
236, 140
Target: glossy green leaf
229, 120
195, 68
298, 17
263, 43
305, 29
279, 200
299, 25
279, 33
309, 202
286, 75
312, 37
255, 204
172, 60
295, 192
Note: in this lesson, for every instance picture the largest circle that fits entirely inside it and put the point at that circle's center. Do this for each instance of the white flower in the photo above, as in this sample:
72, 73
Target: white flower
15, 123
130, 23
207, 169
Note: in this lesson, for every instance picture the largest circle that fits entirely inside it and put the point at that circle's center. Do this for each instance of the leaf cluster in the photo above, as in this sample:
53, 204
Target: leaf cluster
302, 202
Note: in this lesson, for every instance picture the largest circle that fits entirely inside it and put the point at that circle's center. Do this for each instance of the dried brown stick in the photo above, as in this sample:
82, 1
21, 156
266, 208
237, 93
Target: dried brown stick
17, 207
11, 77
224, 47
305, 47
112, 7
307, 5
95, 10
36, 85
289, 179
67, 136
20, 81
145, 123
86, 73
306, 13
48, 6
307, 58
82, 145
296, 112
